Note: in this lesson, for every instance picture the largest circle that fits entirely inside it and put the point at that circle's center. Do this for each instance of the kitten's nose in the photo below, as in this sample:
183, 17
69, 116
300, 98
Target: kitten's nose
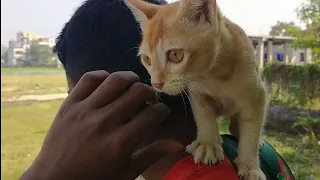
158, 85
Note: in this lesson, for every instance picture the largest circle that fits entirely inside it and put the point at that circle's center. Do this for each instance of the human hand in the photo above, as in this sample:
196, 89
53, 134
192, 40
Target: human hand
98, 128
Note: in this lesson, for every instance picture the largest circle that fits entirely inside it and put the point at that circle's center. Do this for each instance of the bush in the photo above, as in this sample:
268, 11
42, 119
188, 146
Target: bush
294, 86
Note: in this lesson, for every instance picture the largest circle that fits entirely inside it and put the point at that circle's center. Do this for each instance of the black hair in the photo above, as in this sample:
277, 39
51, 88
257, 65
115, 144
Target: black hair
103, 35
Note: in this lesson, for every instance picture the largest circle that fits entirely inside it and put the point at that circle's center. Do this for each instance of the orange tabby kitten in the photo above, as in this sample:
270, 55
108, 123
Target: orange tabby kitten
189, 45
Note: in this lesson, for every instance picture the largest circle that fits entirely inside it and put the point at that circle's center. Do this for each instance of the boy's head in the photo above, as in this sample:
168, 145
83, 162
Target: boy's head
103, 35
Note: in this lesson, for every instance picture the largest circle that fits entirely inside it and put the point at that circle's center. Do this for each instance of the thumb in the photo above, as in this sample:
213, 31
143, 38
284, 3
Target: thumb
142, 159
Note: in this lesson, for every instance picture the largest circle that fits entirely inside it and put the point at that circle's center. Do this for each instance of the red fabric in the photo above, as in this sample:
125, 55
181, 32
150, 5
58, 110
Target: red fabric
186, 169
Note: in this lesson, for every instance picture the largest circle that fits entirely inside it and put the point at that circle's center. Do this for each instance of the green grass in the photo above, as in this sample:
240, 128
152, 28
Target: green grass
296, 156
31, 69
18, 85
289, 99
23, 129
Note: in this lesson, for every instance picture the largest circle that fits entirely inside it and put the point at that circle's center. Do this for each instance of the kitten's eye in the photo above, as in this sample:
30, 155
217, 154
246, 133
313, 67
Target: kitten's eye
175, 55
146, 59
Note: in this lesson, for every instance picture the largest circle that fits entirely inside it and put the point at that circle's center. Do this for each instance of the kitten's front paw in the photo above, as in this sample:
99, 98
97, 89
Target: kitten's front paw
246, 173
252, 175
205, 152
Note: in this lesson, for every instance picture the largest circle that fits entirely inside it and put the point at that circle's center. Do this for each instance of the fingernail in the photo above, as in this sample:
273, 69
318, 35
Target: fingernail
150, 102
175, 147
167, 107
163, 107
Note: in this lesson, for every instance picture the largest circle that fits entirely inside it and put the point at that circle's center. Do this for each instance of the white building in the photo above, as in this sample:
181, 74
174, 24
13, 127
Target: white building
297, 56
49, 41
18, 51
277, 48
15, 55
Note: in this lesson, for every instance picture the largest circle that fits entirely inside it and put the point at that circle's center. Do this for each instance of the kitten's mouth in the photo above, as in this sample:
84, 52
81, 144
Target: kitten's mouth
172, 88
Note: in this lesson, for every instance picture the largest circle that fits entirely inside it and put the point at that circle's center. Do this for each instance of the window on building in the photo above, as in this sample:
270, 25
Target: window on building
280, 56
301, 57
19, 53
265, 57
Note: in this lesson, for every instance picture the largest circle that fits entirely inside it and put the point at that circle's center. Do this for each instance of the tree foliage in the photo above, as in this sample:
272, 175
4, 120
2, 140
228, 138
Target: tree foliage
283, 29
309, 15
294, 86
41, 55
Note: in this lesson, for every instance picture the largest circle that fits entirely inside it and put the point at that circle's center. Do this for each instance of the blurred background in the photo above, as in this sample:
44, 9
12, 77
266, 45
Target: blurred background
285, 34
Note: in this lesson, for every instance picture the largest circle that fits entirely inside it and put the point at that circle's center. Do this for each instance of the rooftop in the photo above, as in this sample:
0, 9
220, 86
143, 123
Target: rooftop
277, 40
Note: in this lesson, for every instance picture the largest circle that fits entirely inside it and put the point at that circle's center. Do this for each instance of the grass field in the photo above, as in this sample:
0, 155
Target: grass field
23, 128
18, 85
31, 69
34, 81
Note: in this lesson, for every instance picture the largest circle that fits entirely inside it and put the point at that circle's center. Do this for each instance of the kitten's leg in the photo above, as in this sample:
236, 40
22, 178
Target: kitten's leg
250, 122
234, 129
207, 147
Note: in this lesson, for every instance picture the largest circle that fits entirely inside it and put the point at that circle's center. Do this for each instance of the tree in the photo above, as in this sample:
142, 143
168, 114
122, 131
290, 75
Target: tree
309, 15
3, 54
40, 55
282, 29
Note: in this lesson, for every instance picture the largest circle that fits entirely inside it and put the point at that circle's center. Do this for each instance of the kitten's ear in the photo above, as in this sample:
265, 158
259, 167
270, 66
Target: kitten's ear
198, 11
141, 10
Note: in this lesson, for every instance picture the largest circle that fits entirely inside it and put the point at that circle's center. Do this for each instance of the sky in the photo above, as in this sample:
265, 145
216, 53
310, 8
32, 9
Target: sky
47, 17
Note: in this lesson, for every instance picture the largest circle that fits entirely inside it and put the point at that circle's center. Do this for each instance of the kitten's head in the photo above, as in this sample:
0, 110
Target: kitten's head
179, 40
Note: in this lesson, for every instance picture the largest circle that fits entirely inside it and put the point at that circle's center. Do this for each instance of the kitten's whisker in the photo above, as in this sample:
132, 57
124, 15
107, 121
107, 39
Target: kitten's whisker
156, 96
147, 81
200, 97
159, 96
204, 89
200, 86
193, 96
133, 48
185, 92
185, 107
210, 96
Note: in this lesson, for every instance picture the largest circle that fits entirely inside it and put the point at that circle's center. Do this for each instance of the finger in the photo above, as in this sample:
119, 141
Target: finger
127, 105
87, 84
156, 98
144, 158
111, 88
143, 123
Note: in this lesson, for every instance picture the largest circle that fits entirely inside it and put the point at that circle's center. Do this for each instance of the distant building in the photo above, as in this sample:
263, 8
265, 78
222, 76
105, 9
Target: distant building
14, 44
15, 56
26, 37
3, 50
297, 56
277, 48
15, 53
18, 51
49, 41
